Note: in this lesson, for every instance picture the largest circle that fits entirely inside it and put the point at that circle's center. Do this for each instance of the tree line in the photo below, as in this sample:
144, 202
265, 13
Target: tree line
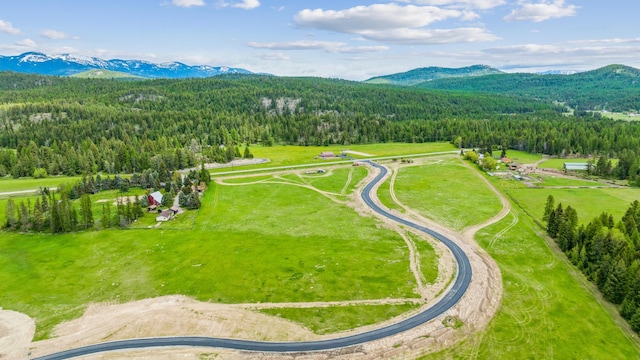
606, 250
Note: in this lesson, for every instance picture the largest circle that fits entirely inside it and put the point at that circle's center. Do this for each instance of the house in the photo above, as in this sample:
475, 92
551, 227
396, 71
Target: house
155, 198
576, 166
165, 215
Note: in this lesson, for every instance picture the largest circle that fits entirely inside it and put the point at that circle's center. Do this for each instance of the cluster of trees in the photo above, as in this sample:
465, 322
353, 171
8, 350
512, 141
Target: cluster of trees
606, 251
627, 168
55, 212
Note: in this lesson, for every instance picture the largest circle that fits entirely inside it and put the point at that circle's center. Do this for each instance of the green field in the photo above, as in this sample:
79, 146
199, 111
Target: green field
588, 202
546, 312
281, 155
250, 243
523, 157
8, 184
561, 181
446, 192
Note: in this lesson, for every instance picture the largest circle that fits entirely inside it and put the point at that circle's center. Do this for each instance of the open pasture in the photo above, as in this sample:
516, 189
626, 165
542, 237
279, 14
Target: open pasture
446, 192
250, 243
547, 310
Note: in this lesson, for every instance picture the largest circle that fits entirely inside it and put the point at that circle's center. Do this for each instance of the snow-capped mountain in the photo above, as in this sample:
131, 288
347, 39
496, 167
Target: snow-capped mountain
69, 64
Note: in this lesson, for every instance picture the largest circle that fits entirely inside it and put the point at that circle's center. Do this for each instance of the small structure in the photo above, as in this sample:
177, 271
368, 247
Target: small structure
174, 210
152, 207
155, 198
576, 166
327, 155
165, 215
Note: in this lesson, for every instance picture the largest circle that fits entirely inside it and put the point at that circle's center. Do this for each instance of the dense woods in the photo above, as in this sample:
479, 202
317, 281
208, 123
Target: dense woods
612, 88
606, 250
74, 126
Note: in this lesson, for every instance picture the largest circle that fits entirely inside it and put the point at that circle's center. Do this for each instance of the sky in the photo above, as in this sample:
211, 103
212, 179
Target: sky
347, 39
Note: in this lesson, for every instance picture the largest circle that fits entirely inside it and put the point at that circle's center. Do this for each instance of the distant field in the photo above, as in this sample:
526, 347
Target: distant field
447, 192
589, 203
621, 116
295, 155
8, 184
523, 157
561, 181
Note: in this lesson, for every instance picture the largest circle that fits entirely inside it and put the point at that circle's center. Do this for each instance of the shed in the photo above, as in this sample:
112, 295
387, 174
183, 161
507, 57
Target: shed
576, 166
327, 154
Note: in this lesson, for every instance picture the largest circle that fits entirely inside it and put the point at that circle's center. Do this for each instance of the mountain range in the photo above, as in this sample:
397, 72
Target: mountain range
68, 65
417, 76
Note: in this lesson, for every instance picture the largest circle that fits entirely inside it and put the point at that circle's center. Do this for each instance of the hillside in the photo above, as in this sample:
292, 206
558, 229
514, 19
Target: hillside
420, 75
612, 88
105, 74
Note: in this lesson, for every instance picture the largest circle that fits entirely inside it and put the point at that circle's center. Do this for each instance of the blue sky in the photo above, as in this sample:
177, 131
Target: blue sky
348, 39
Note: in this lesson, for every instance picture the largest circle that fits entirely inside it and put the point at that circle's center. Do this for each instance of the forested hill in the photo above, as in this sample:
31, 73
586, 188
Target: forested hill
72, 126
612, 88
421, 75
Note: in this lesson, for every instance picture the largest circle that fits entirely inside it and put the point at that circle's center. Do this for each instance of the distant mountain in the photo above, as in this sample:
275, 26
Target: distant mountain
613, 87
67, 65
416, 76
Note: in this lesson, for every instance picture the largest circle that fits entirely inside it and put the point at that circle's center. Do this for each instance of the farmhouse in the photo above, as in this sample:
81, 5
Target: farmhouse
155, 198
165, 215
576, 166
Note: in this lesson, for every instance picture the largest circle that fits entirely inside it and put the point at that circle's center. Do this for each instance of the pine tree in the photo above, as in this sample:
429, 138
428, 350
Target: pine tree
548, 208
10, 215
86, 211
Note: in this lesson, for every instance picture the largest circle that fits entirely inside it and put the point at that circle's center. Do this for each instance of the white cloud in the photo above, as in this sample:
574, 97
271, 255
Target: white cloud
430, 37
373, 17
545, 10
7, 27
465, 4
187, 3
26, 43
328, 46
393, 23
53, 34
247, 4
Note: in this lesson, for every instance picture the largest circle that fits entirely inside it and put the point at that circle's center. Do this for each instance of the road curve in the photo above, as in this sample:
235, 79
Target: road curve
453, 295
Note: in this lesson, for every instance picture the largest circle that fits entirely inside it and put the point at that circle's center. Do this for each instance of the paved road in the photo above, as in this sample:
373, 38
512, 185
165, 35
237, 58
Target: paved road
455, 292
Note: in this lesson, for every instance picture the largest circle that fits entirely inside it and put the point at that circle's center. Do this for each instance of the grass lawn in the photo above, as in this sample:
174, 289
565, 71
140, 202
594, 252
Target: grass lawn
546, 313
523, 157
327, 320
428, 262
8, 184
560, 181
589, 203
446, 192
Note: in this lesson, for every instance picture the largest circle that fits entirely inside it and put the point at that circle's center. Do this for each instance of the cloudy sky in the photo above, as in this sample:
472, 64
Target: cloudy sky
349, 39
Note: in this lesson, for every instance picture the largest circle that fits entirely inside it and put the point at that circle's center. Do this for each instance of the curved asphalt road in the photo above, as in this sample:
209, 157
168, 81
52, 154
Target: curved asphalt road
456, 291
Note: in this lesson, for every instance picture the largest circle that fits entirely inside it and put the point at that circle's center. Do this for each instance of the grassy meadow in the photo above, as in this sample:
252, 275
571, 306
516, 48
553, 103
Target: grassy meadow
446, 192
248, 243
547, 312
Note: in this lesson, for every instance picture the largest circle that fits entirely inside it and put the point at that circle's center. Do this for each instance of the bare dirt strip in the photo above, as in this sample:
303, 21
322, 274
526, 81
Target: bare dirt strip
179, 315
